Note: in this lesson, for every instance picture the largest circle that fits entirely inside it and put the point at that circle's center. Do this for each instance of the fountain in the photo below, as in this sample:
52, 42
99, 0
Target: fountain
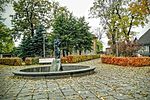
56, 70
56, 64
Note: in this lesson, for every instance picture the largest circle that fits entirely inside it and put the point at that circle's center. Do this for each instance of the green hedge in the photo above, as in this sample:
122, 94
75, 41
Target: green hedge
11, 61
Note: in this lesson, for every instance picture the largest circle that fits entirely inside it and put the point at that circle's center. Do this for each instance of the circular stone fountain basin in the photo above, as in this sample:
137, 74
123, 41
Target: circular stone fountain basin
68, 71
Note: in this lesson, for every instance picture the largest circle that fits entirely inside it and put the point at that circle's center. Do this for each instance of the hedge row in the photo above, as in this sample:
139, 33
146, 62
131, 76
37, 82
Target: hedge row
31, 60
78, 58
126, 61
11, 61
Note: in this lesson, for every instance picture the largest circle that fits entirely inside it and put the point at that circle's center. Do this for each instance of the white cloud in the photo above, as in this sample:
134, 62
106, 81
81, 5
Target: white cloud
9, 11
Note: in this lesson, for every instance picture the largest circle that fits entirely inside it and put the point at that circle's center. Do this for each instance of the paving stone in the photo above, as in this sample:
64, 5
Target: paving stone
110, 82
24, 98
73, 97
69, 92
108, 98
57, 98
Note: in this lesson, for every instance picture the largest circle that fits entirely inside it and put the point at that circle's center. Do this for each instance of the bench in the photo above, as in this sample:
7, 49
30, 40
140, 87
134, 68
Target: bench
46, 60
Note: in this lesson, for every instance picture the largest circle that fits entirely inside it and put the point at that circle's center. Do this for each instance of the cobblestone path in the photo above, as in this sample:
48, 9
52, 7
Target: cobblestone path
110, 82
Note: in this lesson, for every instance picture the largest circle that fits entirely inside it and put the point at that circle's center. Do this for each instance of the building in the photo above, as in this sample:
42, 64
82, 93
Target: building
109, 51
144, 41
94, 46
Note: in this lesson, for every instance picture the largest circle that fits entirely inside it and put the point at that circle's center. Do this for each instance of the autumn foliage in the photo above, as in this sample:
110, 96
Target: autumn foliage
11, 61
78, 58
126, 61
31, 60
128, 48
141, 7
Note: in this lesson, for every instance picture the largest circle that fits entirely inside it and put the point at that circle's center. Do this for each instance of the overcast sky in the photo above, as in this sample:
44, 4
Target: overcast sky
79, 8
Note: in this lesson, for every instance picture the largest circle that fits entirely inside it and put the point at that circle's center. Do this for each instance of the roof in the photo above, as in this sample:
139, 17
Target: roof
145, 38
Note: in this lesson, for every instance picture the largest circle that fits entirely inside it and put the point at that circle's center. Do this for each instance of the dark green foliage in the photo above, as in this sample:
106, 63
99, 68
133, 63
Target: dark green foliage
25, 47
99, 47
6, 40
37, 42
31, 47
29, 14
83, 38
73, 33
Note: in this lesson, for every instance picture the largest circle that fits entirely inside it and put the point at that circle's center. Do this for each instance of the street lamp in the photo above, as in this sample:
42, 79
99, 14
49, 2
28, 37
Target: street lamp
116, 34
117, 52
44, 35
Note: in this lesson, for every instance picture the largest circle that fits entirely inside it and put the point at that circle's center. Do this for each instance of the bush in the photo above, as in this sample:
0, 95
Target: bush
28, 61
126, 61
11, 61
78, 58
31, 60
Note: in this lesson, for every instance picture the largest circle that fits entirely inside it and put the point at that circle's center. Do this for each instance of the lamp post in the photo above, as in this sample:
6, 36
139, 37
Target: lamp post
117, 52
44, 34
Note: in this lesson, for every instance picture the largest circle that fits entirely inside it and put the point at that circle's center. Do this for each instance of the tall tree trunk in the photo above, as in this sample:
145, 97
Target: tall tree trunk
63, 52
149, 51
70, 53
80, 52
113, 44
67, 52
128, 34
32, 30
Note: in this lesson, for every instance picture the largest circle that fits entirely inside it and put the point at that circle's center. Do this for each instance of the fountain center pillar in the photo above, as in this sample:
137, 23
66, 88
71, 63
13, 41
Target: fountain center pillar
56, 64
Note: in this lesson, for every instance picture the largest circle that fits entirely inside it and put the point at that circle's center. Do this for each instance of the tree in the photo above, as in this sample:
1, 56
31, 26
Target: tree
99, 46
6, 40
99, 33
73, 33
84, 37
38, 40
104, 10
140, 7
61, 29
29, 15
26, 47
128, 49
119, 17
31, 47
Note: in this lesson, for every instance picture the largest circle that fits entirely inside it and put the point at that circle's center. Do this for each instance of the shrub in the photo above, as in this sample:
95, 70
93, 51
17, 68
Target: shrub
11, 61
64, 60
31, 60
28, 61
126, 61
78, 58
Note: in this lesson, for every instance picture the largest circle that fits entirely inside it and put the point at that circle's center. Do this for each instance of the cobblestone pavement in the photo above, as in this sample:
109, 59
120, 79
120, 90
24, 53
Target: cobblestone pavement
108, 83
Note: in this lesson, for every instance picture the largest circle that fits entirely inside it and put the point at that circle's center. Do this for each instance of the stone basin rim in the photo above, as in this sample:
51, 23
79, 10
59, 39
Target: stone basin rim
88, 70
